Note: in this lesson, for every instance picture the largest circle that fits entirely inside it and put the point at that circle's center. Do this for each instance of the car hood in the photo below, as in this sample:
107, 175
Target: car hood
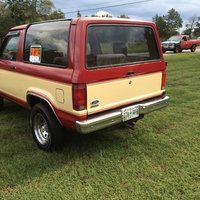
171, 42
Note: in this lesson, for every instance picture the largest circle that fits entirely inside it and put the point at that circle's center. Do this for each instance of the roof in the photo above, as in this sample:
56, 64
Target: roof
108, 19
24, 26
91, 19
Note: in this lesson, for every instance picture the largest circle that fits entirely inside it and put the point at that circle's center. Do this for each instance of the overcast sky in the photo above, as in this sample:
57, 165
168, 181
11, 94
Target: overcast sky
144, 10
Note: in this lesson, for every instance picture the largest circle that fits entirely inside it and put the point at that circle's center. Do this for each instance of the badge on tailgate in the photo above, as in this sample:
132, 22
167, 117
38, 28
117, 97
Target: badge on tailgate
94, 103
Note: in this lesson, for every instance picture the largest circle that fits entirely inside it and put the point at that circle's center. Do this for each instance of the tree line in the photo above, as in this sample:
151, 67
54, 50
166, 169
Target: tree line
17, 12
171, 23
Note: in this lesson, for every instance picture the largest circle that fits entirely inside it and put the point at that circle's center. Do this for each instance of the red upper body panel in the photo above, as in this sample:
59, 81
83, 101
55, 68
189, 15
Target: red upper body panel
76, 71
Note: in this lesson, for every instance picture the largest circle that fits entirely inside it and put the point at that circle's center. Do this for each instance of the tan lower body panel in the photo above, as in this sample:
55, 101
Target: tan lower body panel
112, 94
18, 85
109, 94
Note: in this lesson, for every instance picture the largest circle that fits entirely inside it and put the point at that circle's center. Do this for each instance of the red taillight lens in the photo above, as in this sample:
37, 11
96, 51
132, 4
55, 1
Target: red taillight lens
79, 96
163, 80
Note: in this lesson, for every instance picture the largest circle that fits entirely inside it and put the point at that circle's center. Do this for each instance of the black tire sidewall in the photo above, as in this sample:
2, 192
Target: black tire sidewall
55, 129
1, 103
177, 49
193, 49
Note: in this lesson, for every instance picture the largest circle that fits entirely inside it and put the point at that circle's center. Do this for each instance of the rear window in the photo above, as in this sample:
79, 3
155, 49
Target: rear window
113, 45
47, 43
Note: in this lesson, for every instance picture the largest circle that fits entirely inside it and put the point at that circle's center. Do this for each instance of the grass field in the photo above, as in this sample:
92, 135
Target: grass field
160, 159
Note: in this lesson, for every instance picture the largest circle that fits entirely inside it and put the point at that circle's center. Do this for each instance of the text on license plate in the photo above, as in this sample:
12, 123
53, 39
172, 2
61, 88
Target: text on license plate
130, 113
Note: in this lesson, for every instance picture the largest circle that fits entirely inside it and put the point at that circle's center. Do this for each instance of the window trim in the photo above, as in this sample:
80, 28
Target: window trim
46, 64
13, 33
122, 64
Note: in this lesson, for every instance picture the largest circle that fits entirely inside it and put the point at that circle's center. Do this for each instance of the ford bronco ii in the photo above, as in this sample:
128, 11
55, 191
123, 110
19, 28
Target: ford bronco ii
84, 74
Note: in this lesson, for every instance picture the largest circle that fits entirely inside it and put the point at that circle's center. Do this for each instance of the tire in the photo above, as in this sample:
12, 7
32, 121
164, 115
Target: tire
1, 103
193, 48
164, 51
177, 49
46, 129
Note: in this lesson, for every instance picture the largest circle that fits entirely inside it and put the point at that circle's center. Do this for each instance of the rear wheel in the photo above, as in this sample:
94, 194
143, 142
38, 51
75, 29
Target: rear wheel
46, 129
1, 103
193, 48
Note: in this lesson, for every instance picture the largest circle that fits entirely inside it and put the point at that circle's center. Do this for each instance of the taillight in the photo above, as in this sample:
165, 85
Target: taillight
79, 96
163, 80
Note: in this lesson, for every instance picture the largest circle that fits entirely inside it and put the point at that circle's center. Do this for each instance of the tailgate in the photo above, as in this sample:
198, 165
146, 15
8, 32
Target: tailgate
122, 64
115, 93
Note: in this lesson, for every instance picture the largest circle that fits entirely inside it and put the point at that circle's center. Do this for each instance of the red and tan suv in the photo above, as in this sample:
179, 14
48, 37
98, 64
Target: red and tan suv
85, 74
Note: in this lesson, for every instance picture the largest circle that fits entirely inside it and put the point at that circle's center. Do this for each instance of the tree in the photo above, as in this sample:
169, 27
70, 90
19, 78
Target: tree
124, 16
20, 11
174, 21
78, 13
190, 27
6, 20
26, 11
169, 24
193, 27
196, 32
102, 13
107, 16
161, 26
16, 12
57, 14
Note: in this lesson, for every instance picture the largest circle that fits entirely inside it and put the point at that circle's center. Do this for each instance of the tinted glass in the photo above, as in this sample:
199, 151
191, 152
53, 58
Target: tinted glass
10, 49
47, 43
116, 45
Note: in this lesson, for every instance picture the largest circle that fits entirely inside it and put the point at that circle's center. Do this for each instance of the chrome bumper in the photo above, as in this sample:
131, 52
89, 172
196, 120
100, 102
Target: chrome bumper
114, 117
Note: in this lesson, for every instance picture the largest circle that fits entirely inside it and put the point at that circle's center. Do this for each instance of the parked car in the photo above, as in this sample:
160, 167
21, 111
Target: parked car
178, 43
85, 74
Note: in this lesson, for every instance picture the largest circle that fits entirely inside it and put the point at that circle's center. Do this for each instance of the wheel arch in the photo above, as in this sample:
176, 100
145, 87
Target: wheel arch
33, 99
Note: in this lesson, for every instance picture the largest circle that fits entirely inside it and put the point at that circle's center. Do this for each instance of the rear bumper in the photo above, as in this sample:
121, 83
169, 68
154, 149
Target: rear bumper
114, 117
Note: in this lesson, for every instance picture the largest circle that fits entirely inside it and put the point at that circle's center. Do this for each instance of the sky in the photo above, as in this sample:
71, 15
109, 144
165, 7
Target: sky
142, 11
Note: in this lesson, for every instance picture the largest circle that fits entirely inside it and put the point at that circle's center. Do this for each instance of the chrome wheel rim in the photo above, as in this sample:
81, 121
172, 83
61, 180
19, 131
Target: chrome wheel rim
41, 129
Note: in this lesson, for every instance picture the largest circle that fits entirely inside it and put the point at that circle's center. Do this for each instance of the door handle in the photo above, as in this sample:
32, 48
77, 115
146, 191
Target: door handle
13, 68
130, 73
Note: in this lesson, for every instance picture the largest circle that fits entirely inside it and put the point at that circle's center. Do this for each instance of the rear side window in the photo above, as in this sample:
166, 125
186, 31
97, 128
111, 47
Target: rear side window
10, 48
113, 45
47, 43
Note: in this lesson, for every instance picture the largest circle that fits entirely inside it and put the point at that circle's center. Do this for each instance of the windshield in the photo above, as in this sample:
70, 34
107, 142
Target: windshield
175, 38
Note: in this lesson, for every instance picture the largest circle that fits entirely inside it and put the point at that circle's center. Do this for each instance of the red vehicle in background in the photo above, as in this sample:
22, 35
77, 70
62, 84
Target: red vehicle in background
178, 43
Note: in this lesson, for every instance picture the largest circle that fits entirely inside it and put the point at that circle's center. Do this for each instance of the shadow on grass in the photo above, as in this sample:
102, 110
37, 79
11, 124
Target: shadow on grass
183, 52
21, 160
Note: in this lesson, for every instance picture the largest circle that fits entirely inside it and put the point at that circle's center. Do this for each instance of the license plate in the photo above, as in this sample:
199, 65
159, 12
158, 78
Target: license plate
130, 113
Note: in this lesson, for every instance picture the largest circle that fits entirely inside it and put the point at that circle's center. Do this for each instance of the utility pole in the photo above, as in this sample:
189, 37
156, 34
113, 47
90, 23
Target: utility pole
78, 14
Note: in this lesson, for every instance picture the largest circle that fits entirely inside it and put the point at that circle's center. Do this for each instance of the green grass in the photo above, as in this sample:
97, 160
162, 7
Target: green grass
160, 159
